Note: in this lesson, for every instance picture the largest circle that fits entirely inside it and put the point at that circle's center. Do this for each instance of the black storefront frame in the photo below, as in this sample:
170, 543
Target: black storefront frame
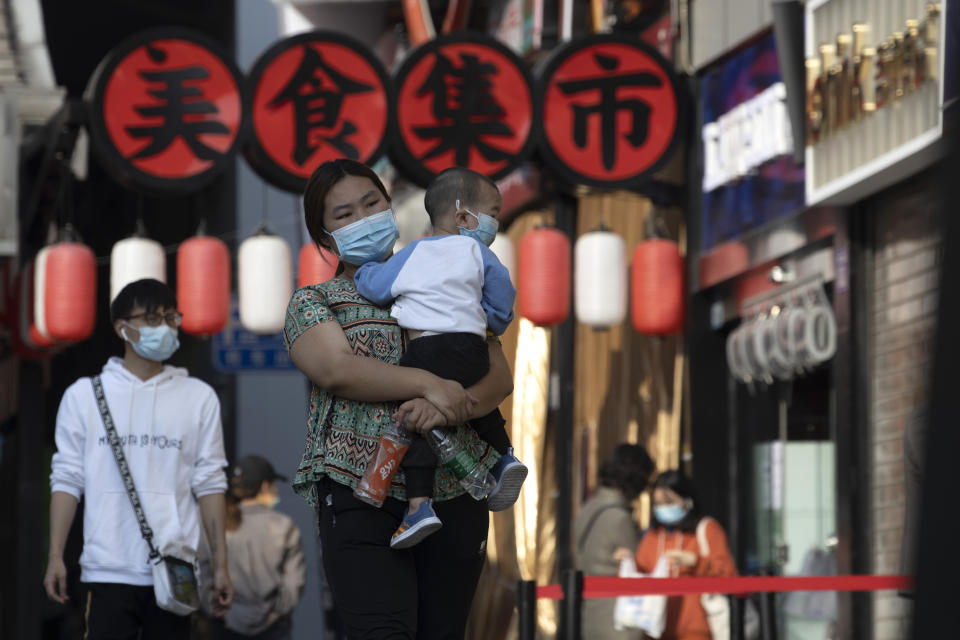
852, 370
716, 410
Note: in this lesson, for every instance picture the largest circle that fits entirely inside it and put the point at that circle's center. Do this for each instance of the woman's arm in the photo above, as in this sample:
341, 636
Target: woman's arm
719, 563
323, 354
494, 387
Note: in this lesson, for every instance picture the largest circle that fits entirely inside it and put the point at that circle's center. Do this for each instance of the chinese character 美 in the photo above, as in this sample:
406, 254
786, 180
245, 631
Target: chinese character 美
182, 112
317, 106
465, 109
609, 106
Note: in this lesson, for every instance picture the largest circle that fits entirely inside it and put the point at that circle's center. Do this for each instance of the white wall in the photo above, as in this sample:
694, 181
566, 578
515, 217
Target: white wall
720, 25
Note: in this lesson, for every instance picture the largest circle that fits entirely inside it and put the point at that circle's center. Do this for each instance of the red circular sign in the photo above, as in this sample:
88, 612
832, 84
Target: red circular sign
315, 97
166, 110
462, 100
610, 111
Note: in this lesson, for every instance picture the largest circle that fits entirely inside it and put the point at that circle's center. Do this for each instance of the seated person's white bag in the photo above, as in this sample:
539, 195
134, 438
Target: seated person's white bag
647, 613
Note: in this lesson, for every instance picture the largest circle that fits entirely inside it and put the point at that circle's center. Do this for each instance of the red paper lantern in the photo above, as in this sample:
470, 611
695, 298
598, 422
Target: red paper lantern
37, 339
25, 338
658, 289
203, 285
31, 336
543, 276
66, 278
315, 265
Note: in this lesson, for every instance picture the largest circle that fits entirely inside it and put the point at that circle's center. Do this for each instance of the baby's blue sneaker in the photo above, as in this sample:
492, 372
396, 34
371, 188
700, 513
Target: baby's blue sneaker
415, 526
509, 474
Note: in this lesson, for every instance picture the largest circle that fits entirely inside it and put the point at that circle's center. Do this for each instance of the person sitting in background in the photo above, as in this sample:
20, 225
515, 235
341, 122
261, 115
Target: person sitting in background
605, 528
264, 556
675, 528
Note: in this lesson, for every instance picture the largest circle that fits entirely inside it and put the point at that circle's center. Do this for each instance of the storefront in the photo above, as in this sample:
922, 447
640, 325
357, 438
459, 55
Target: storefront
875, 146
769, 339
813, 463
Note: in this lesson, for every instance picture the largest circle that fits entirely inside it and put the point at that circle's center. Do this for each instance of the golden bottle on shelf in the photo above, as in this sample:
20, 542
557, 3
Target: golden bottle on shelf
827, 56
884, 77
843, 69
912, 56
855, 75
868, 79
897, 74
814, 106
931, 33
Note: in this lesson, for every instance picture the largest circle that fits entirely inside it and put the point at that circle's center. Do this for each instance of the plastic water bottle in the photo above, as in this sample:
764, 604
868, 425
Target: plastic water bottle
477, 481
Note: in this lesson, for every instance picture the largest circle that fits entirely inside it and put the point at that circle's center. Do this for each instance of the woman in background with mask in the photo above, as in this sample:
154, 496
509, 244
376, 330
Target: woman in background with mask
349, 348
673, 533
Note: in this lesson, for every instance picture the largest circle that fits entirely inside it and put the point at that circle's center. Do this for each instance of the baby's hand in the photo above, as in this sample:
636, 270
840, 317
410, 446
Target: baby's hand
420, 415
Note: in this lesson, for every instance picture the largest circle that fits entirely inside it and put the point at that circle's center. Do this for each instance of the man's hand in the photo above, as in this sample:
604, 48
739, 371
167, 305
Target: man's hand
55, 580
222, 595
420, 415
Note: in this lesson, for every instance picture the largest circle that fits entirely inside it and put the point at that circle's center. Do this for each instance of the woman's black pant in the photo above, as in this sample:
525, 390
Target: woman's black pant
424, 592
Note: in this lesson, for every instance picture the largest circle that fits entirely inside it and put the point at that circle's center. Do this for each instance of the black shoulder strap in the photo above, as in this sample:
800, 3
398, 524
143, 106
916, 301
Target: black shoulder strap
593, 520
121, 459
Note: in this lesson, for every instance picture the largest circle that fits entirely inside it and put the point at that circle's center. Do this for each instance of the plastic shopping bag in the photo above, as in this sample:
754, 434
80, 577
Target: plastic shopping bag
648, 613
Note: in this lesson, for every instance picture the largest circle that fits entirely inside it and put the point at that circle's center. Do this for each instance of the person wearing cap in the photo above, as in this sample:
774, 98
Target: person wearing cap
264, 556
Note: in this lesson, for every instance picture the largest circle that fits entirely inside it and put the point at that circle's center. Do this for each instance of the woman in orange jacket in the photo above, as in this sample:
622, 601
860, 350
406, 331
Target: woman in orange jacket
673, 533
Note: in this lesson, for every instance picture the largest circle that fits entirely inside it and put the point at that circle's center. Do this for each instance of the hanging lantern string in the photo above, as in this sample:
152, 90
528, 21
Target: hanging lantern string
263, 213
65, 219
229, 235
65, 209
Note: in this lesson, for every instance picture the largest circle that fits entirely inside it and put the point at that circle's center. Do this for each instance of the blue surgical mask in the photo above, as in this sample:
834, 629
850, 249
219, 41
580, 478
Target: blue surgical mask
369, 239
155, 343
669, 514
486, 230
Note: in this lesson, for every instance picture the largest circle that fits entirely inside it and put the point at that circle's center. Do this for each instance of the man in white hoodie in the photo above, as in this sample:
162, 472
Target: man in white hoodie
169, 425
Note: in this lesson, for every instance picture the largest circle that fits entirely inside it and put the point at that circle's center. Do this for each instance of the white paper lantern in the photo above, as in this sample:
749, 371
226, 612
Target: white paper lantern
600, 279
265, 282
503, 248
136, 258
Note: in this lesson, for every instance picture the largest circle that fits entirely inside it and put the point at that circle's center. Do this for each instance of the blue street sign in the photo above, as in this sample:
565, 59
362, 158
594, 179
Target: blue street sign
235, 349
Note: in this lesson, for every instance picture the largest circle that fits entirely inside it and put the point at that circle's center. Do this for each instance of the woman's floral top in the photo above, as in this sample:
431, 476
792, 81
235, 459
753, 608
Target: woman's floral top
343, 434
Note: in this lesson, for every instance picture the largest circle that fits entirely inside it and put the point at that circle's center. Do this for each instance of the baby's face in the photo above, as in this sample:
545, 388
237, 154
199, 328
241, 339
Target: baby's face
490, 202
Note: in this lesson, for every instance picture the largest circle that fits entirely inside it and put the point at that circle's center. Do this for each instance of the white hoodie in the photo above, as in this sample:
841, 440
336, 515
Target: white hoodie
173, 442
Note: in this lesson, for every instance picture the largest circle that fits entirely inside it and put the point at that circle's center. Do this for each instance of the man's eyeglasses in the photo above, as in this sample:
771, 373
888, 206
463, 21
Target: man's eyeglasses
153, 319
